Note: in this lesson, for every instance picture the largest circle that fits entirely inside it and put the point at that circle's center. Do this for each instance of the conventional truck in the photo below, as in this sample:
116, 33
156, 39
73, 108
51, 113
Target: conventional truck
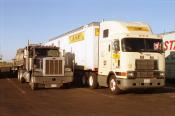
42, 66
115, 54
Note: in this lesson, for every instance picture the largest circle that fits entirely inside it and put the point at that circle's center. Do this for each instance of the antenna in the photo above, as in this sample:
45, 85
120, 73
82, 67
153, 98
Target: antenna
28, 43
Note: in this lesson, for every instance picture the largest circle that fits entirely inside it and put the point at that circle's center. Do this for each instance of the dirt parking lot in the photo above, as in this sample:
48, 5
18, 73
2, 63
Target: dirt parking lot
18, 99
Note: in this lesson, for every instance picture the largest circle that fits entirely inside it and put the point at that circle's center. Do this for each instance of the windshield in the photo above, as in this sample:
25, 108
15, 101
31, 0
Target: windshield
40, 52
142, 45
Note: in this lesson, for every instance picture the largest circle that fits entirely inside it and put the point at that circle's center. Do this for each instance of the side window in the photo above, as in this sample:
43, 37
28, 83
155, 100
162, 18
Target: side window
116, 46
105, 33
30, 53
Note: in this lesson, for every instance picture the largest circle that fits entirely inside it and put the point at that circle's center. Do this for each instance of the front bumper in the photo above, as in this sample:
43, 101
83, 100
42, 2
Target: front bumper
125, 84
53, 81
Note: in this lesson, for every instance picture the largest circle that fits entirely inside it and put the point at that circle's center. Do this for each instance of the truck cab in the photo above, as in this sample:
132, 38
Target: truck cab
43, 66
130, 56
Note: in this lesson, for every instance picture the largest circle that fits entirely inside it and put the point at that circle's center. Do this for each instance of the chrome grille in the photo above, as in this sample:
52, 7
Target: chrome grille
54, 67
146, 64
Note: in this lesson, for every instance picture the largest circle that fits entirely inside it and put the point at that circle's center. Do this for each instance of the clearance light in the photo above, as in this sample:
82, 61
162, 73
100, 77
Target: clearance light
141, 57
151, 57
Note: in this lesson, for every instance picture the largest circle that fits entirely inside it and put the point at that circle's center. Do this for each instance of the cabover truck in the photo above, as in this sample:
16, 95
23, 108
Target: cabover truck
42, 66
115, 54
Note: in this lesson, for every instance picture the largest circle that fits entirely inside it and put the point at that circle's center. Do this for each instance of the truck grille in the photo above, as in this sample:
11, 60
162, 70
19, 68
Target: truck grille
145, 74
146, 64
54, 67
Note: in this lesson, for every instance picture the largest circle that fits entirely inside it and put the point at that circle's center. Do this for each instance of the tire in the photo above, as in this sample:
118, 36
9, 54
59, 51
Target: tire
113, 86
84, 80
22, 80
20, 77
93, 84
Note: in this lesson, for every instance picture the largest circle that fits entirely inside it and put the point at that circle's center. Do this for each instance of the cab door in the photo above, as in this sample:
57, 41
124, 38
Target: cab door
105, 62
115, 55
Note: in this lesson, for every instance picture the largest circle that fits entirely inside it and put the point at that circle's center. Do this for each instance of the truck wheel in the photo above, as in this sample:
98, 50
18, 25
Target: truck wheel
20, 77
84, 80
93, 81
22, 80
113, 86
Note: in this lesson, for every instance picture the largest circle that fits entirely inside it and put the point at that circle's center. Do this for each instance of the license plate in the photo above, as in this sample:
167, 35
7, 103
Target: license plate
146, 80
53, 85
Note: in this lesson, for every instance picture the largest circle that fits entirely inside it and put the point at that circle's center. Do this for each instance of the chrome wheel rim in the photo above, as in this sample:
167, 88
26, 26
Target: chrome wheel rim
91, 81
112, 85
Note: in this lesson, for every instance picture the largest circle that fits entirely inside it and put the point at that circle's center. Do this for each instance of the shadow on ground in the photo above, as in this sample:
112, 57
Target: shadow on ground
8, 74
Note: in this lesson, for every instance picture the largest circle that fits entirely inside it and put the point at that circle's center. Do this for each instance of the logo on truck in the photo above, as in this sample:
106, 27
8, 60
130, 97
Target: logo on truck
169, 45
76, 37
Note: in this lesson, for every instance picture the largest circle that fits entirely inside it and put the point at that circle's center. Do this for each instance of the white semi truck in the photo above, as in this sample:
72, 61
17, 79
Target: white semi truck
42, 66
118, 55
169, 47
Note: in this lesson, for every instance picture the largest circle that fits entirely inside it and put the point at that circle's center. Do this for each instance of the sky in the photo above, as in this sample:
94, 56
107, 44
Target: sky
40, 20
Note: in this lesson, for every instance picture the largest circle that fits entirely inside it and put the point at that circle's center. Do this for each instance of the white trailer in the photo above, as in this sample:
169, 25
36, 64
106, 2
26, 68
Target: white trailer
118, 55
169, 46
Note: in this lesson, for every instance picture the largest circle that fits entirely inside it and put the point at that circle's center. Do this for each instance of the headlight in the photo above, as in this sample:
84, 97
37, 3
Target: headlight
162, 74
130, 75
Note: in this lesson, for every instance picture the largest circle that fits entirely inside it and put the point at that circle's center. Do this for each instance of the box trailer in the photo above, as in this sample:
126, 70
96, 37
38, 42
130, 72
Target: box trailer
169, 47
114, 54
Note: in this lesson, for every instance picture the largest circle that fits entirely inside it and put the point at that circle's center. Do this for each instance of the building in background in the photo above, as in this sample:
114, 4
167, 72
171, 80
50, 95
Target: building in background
169, 46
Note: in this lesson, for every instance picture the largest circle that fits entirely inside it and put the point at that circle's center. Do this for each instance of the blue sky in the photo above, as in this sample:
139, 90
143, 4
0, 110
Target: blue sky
39, 20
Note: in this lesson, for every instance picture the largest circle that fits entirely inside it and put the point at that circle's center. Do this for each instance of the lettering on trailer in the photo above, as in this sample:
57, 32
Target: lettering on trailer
135, 28
169, 45
76, 37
